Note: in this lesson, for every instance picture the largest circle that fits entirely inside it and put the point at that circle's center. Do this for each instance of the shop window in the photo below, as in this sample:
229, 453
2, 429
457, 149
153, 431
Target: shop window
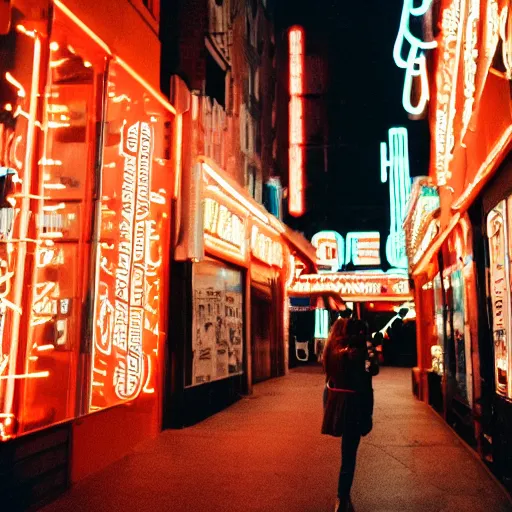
65, 175
437, 350
458, 337
500, 250
125, 287
216, 351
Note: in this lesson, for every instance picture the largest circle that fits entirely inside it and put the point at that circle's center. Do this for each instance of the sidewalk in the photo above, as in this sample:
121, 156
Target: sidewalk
266, 454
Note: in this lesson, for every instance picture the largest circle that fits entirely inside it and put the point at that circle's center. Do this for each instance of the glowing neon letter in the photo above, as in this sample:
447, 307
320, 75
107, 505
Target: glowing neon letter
296, 123
399, 179
363, 248
329, 247
415, 63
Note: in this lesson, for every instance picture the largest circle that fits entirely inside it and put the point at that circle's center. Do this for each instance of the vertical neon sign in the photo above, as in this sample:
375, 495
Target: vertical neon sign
415, 63
399, 180
296, 123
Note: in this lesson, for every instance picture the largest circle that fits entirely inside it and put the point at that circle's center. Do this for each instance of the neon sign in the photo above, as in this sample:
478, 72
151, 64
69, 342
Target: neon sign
321, 323
470, 63
330, 251
130, 275
363, 248
265, 249
399, 180
121, 320
222, 223
446, 89
296, 123
420, 226
358, 286
415, 64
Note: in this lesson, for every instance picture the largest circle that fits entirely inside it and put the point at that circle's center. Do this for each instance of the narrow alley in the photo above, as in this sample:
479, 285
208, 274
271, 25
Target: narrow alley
266, 453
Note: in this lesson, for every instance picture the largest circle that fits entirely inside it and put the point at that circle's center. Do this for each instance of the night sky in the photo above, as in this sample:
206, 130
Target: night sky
365, 100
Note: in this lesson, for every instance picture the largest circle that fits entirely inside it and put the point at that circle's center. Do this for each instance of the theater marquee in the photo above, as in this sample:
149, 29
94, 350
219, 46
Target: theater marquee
355, 286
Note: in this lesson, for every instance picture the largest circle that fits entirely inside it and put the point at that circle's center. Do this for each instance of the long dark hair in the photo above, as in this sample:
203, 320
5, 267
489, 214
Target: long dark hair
345, 333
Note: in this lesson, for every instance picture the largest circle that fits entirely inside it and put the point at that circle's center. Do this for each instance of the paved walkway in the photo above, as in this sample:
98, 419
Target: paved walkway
265, 454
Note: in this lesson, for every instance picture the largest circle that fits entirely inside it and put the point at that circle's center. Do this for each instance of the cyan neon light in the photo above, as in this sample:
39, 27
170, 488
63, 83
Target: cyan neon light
321, 323
363, 248
414, 63
330, 250
395, 170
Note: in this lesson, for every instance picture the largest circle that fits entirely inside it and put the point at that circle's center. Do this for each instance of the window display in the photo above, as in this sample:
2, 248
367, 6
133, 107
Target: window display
461, 337
61, 258
217, 323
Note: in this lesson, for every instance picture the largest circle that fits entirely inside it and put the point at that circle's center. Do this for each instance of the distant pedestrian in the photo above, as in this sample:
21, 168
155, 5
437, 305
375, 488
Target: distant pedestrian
348, 399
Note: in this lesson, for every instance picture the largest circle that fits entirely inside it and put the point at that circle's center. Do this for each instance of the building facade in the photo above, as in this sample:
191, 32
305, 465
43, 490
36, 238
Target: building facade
106, 184
458, 229
86, 163
231, 337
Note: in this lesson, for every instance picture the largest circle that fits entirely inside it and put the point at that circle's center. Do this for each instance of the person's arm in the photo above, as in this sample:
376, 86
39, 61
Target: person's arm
373, 367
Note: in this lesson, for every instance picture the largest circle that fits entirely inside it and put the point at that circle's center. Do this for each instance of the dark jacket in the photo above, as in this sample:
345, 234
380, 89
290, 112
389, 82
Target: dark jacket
346, 369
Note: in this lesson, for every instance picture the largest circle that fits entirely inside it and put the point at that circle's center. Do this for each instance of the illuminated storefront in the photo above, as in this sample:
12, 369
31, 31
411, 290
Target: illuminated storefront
234, 260
85, 217
458, 244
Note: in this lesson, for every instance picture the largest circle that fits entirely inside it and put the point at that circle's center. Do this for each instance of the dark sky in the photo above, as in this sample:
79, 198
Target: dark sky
365, 100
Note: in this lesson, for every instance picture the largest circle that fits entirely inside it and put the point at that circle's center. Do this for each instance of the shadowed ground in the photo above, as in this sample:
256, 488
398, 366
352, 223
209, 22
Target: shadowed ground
265, 453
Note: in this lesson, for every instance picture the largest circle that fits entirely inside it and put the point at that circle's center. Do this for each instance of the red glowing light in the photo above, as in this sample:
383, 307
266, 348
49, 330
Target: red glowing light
296, 122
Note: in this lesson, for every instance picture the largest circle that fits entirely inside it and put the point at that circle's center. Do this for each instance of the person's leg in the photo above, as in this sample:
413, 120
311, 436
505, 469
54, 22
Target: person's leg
349, 444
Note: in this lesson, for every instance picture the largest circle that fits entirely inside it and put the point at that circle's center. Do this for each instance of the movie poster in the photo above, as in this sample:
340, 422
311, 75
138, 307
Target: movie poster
217, 323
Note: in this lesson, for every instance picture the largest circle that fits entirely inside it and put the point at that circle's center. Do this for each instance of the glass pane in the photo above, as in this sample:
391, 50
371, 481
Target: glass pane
61, 259
130, 266
461, 339
217, 325
500, 295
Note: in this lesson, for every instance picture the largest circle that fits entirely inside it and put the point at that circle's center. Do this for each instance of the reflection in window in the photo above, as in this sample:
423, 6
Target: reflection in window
66, 165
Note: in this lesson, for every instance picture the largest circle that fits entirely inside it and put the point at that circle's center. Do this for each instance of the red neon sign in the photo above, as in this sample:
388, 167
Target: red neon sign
296, 123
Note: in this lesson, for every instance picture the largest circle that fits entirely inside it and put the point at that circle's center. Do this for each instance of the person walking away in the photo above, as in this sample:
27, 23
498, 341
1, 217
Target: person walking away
349, 399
